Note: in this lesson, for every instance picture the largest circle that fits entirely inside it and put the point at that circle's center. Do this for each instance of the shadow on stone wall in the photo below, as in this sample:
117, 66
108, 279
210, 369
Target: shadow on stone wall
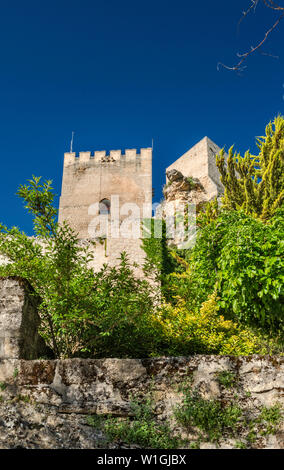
19, 321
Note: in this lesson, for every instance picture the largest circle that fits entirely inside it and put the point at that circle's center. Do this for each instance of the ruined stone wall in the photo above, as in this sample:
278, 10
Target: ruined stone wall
192, 179
19, 321
46, 403
199, 162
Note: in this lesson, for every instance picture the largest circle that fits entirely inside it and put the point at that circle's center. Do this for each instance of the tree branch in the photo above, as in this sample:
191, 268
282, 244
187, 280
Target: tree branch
269, 4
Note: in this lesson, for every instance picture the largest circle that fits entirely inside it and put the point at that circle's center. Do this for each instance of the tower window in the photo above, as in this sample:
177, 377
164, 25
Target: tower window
104, 207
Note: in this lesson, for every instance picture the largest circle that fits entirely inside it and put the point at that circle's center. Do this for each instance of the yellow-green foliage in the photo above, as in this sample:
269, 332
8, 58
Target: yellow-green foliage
205, 331
209, 212
255, 184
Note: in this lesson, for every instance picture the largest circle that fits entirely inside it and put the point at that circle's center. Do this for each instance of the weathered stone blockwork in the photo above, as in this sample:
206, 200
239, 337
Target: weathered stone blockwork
200, 162
65, 391
19, 320
89, 179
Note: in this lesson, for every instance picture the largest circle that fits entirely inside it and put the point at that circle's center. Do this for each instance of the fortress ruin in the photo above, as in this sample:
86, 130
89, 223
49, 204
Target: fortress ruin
93, 182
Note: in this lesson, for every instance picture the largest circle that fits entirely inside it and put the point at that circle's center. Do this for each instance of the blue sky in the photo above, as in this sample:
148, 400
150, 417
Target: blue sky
120, 73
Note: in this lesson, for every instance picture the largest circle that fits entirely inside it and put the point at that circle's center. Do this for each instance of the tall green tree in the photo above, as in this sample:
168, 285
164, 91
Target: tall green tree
255, 184
56, 266
109, 313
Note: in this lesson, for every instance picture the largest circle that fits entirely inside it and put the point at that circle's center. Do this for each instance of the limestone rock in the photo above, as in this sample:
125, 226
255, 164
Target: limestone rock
19, 321
181, 188
174, 175
45, 403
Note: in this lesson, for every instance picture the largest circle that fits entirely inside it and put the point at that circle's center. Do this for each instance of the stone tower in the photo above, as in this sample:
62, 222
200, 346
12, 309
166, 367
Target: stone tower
91, 182
200, 162
192, 181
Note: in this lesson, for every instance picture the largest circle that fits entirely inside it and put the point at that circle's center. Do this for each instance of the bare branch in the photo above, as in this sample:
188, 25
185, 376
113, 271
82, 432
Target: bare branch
246, 12
269, 4
270, 55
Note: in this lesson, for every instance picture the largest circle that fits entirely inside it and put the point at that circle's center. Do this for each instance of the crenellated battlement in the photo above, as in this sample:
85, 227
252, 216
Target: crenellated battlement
102, 157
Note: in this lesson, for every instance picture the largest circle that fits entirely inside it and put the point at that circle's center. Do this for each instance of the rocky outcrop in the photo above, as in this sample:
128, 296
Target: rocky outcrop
45, 403
184, 189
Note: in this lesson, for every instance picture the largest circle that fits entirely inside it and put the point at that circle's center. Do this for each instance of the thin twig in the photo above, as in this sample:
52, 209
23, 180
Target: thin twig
270, 55
272, 5
245, 13
239, 66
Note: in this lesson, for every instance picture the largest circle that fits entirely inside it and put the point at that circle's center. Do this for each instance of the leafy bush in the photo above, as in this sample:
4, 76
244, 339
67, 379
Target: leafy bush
215, 420
204, 331
57, 268
104, 314
123, 321
243, 258
251, 271
209, 416
239, 249
142, 429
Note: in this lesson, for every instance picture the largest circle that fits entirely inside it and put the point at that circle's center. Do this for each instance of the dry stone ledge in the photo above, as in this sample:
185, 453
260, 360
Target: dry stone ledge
59, 394
89, 383
19, 321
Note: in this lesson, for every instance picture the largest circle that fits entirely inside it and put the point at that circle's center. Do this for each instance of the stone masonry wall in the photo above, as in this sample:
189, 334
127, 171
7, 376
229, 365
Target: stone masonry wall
19, 321
199, 162
109, 251
88, 179
45, 403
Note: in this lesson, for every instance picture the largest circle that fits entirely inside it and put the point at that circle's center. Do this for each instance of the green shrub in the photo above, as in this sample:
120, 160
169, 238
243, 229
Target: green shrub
226, 378
109, 313
142, 429
204, 331
209, 416
123, 320
242, 258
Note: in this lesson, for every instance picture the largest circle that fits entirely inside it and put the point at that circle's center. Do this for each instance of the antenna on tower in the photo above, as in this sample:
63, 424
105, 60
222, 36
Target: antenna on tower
71, 144
152, 143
